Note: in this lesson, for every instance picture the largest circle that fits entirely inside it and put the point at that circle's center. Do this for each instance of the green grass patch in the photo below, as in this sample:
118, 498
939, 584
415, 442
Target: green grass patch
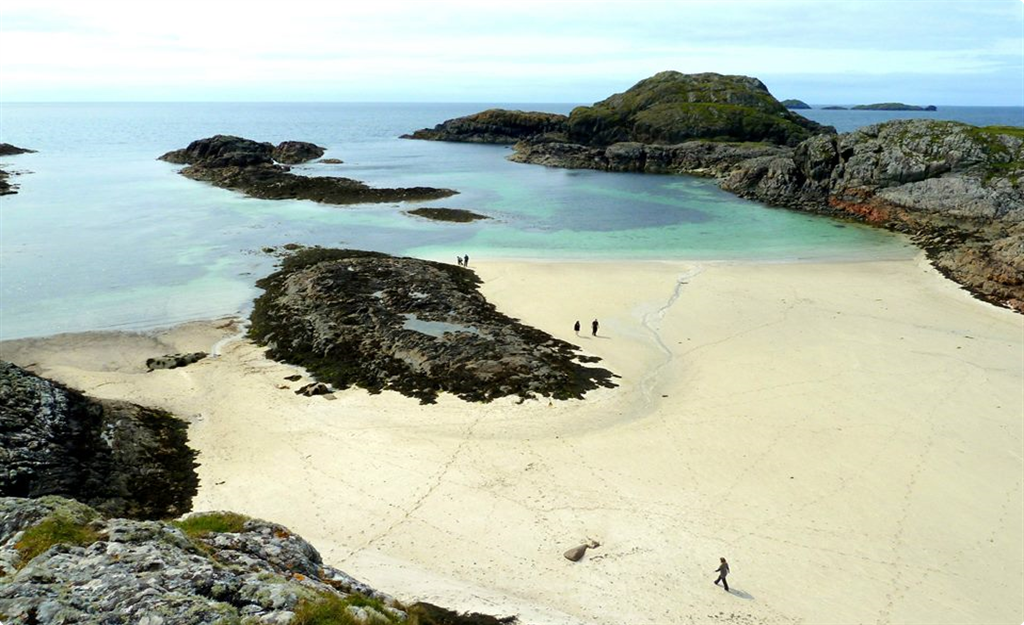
53, 530
333, 610
198, 525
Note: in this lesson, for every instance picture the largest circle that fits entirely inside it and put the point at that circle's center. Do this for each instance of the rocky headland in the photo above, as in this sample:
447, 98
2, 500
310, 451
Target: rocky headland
121, 458
6, 149
417, 327
253, 168
955, 188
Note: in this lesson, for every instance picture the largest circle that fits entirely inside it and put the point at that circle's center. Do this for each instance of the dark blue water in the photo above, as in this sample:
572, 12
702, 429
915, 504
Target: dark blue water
103, 235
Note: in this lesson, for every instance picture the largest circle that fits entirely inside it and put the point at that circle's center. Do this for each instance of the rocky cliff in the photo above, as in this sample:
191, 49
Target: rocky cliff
121, 458
957, 188
493, 126
248, 166
413, 326
64, 563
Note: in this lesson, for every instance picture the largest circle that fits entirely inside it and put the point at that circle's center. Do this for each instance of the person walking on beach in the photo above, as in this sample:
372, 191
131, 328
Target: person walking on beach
723, 572
593, 327
577, 327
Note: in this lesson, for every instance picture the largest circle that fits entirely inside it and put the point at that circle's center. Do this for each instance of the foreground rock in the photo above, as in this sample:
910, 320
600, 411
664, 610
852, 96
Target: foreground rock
248, 166
956, 188
457, 215
413, 326
119, 457
62, 562
6, 149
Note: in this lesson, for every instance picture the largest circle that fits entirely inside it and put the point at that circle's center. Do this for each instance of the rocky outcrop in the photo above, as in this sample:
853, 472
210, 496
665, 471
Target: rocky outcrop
493, 126
456, 215
701, 158
119, 457
793, 104
6, 149
295, 152
413, 326
956, 188
671, 107
248, 166
173, 361
64, 563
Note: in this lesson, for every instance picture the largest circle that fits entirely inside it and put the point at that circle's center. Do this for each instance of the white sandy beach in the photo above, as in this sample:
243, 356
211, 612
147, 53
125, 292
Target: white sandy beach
848, 435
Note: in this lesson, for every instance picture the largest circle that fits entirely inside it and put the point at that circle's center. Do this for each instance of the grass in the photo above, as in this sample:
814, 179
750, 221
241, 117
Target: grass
198, 525
53, 530
331, 609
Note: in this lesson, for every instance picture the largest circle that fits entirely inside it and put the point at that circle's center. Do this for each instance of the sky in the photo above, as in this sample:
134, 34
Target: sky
954, 52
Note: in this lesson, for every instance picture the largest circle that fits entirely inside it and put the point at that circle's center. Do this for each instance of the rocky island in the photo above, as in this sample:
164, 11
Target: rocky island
456, 215
796, 104
252, 168
956, 188
414, 326
892, 106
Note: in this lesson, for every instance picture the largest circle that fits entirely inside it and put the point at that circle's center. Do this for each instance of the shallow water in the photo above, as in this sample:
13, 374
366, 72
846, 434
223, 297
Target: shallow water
102, 235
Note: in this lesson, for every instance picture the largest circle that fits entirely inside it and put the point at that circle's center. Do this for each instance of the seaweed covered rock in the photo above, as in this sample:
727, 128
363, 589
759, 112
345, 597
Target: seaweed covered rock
499, 126
248, 166
455, 215
118, 457
413, 326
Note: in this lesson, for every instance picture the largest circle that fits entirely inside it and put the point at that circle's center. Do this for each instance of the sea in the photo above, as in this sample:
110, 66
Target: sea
103, 236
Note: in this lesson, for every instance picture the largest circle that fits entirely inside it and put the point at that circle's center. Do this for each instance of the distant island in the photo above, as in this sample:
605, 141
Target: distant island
954, 187
795, 104
834, 108
892, 106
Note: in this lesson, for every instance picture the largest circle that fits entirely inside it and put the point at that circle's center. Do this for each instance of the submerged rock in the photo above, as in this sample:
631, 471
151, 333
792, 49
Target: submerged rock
118, 457
248, 166
458, 215
417, 327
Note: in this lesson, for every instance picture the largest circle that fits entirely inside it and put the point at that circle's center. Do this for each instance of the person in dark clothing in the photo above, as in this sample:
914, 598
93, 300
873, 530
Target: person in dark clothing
458, 259
465, 261
577, 327
723, 572
593, 327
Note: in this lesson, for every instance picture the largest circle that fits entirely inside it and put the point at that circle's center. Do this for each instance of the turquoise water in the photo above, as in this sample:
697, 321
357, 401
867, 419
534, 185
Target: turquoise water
103, 236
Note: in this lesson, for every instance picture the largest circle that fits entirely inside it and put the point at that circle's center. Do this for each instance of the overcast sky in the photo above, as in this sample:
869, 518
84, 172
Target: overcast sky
968, 52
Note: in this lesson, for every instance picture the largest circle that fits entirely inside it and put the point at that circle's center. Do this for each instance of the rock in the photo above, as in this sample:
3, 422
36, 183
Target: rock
6, 149
457, 215
795, 104
248, 166
314, 388
293, 378
172, 361
413, 326
331, 161
576, 553
493, 126
118, 457
956, 186
295, 152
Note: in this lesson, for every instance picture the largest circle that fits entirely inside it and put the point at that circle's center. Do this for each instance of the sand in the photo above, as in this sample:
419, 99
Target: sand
848, 435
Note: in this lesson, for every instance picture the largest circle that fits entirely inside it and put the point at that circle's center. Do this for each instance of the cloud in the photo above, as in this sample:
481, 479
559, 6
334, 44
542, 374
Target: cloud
439, 50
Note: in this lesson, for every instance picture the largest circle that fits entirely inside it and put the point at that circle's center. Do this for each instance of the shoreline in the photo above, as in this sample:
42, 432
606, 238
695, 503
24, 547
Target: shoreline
854, 426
